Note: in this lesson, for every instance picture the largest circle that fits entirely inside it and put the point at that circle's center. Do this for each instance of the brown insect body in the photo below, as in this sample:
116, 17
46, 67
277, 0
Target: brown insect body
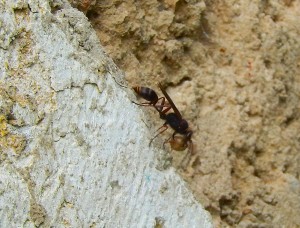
146, 93
173, 119
178, 124
151, 96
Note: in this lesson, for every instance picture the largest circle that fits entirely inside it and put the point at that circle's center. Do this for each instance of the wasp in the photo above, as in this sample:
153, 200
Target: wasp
182, 136
177, 123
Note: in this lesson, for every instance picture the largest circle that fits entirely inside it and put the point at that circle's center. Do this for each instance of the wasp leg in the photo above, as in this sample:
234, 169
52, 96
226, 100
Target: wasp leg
165, 127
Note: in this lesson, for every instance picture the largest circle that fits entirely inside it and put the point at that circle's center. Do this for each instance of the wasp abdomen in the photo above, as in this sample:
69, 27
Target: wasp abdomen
146, 93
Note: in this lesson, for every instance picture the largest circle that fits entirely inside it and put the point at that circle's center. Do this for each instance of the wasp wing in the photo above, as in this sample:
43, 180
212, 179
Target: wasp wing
169, 100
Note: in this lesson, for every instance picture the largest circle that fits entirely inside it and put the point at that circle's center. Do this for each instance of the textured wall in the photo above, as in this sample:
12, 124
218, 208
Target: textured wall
74, 149
233, 69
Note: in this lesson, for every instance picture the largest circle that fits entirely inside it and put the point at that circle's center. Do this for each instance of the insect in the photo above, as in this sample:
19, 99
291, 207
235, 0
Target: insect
173, 119
178, 124
151, 96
